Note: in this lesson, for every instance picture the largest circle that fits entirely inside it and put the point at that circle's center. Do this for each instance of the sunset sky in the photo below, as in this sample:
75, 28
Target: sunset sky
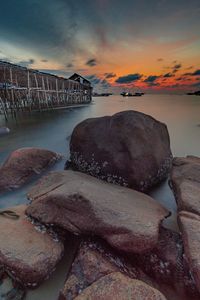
152, 45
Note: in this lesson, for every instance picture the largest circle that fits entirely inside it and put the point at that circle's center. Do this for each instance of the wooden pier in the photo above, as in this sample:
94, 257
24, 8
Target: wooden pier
23, 89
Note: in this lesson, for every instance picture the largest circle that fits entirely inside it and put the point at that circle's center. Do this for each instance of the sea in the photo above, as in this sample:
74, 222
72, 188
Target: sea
52, 130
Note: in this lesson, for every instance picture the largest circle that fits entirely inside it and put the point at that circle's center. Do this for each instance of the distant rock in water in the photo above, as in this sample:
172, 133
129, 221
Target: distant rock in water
27, 255
4, 130
128, 220
129, 148
24, 163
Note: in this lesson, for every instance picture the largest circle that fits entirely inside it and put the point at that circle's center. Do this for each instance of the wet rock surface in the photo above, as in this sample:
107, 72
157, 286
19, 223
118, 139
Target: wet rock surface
23, 164
166, 264
128, 148
128, 220
27, 255
190, 224
118, 286
163, 268
185, 182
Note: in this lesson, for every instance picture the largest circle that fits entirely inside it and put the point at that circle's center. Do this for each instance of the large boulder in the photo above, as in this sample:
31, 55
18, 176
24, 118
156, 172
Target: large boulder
185, 182
28, 255
190, 224
121, 287
24, 163
79, 203
128, 148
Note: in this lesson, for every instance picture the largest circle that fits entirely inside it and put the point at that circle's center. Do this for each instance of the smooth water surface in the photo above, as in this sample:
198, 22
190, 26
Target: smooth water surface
52, 130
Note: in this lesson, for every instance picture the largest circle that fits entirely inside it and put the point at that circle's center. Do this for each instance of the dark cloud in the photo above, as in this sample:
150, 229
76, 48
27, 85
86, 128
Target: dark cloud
151, 78
109, 75
94, 79
128, 78
26, 63
44, 60
176, 68
180, 78
168, 75
160, 59
70, 65
189, 68
91, 62
195, 73
105, 84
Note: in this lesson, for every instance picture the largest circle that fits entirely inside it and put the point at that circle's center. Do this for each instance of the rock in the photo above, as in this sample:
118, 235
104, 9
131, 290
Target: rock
23, 164
27, 255
159, 268
79, 203
118, 286
166, 264
185, 182
189, 224
4, 130
93, 261
128, 148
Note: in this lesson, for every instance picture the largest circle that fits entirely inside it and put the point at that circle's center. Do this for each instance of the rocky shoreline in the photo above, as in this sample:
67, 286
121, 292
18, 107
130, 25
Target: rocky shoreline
123, 250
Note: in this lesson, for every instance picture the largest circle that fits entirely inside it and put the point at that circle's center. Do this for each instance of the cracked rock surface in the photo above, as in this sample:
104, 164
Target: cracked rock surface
27, 255
79, 203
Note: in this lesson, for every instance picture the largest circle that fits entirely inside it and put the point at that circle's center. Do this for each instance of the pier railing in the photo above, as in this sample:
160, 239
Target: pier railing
23, 89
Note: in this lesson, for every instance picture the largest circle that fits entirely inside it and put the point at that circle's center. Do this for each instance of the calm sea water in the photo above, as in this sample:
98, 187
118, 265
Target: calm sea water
52, 130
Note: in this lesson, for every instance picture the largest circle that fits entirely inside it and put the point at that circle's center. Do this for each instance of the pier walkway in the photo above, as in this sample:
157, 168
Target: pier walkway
23, 89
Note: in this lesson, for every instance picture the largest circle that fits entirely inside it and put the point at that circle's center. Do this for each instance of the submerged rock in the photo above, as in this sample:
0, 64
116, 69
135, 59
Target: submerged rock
190, 224
128, 148
118, 286
4, 130
27, 255
185, 182
79, 203
24, 163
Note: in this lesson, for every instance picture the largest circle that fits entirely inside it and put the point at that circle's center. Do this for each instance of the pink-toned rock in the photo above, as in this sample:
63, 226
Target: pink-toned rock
159, 268
190, 224
128, 148
23, 164
166, 264
185, 180
118, 286
93, 261
27, 255
128, 220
